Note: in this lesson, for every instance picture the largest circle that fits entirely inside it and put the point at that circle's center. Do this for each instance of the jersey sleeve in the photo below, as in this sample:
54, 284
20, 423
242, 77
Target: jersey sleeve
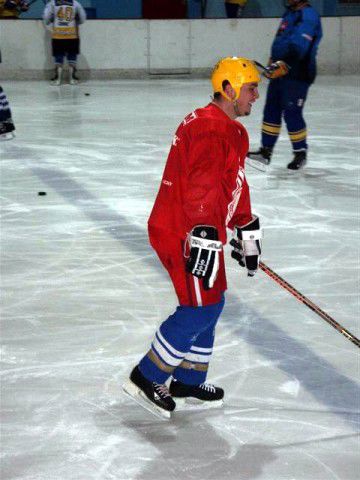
48, 13
207, 154
301, 39
80, 13
242, 214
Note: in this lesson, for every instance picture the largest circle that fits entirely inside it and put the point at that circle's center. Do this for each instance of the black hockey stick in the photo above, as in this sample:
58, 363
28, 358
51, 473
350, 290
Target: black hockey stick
258, 64
283, 283
268, 70
263, 68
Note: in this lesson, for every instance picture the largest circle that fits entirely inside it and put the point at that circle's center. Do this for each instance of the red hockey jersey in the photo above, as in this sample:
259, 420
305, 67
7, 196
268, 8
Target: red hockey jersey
204, 180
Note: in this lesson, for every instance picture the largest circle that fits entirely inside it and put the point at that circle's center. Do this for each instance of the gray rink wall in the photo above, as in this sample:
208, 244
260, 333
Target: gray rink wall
139, 48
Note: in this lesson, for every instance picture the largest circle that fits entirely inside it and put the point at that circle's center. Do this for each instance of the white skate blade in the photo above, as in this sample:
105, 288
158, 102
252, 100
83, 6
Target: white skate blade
141, 399
261, 167
73, 81
190, 403
7, 136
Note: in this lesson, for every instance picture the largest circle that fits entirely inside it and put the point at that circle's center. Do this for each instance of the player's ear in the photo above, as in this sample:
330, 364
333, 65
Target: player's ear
229, 91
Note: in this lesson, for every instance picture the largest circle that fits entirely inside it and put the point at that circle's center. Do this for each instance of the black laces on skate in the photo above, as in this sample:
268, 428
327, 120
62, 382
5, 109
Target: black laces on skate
161, 389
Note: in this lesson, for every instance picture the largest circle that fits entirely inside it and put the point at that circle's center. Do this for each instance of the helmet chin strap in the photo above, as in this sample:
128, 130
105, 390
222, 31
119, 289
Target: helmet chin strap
235, 104
236, 109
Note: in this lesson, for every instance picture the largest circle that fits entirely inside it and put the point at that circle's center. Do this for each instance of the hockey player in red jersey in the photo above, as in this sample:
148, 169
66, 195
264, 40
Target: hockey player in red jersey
203, 192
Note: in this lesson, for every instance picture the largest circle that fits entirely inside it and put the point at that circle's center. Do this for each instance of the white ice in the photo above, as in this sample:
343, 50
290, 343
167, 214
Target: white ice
83, 294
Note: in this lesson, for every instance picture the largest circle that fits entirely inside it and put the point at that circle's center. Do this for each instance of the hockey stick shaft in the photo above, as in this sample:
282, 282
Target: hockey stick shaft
283, 283
258, 64
263, 68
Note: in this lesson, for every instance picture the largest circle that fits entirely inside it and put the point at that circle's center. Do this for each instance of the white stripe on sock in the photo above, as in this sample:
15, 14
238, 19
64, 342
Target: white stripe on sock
193, 357
173, 350
165, 355
194, 348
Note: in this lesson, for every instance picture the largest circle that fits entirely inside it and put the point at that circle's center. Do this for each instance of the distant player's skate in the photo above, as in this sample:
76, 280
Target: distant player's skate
7, 130
152, 396
259, 159
196, 397
56, 79
299, 161
73, 78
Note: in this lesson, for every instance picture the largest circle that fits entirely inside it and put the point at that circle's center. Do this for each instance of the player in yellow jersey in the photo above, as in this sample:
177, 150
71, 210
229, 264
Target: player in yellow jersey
64, 16
11, 9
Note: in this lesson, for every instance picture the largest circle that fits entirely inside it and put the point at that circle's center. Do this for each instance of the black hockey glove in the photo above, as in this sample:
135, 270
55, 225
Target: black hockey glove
203, 259
247, 245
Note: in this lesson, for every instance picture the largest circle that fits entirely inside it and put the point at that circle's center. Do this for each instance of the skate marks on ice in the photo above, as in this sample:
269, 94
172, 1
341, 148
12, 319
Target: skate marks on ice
294, 358
304, 369
207, 445
69, 422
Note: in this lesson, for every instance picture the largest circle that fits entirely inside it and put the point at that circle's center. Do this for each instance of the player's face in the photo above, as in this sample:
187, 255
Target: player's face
248, 95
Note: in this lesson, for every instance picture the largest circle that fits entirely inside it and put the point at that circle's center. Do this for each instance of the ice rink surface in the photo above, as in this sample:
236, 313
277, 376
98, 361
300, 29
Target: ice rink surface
83, 294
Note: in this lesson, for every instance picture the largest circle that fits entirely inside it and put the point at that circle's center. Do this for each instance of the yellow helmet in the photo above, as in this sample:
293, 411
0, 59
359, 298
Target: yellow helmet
236, 71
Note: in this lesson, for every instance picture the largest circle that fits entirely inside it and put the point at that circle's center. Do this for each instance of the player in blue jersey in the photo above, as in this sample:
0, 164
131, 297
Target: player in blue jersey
292, 69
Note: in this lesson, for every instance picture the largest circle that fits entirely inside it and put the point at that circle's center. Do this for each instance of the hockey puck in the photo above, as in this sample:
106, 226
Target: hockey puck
41, 193
87, 94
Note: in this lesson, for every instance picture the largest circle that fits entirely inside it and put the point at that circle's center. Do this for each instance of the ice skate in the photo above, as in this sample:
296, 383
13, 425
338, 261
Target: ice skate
200, 396
56, 80
299, 160
260, 159
152, 396
73, 78
7, 130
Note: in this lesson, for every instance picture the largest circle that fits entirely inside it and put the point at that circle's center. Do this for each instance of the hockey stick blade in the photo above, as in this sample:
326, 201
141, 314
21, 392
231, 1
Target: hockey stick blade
325, 316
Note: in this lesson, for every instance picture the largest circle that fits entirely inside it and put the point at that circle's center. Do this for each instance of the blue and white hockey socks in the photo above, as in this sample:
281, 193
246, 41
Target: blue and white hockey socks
182, 345
5, 112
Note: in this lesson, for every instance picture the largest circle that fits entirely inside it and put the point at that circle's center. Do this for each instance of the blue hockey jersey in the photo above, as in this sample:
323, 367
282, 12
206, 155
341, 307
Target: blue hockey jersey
296, 42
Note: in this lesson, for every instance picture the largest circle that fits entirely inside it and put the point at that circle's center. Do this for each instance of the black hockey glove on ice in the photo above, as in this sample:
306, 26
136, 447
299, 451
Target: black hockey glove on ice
247, 245
203, 259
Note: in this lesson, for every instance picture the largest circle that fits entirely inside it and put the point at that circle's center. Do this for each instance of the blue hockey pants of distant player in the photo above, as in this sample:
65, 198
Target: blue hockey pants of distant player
285, 98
